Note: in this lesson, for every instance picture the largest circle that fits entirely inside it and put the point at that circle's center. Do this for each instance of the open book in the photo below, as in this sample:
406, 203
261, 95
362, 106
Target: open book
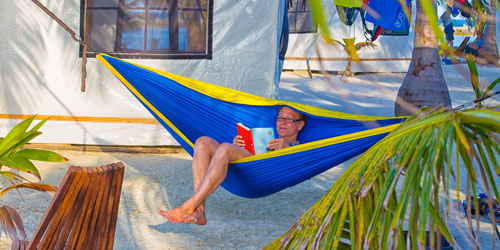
256, 139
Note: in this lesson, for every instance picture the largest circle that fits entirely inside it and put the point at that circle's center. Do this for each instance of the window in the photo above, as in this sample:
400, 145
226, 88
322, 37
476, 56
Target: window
177, 29
300, 17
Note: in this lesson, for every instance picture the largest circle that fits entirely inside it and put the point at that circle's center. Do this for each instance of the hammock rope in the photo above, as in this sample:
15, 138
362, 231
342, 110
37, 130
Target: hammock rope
465, 105
189, 109
73, 35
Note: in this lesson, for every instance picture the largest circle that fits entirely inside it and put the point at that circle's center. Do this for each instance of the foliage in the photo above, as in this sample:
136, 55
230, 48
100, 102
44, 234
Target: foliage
13, 162
422, 157
351, 49
349, 46
405, 180
479, 18
474, 79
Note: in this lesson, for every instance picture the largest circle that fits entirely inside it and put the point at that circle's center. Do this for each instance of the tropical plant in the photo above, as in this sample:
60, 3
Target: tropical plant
479, 91
478, 16
351, 48
14, 160
406, 180
402, 183
424, 84
490, 47
483, 15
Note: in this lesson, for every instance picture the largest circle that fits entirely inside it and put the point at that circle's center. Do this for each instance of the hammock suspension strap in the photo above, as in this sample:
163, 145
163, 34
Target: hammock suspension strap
476, 101
73, 35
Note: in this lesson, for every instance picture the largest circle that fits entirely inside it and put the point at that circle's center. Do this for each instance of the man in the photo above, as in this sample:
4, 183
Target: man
473, 48
448, 30
211, 160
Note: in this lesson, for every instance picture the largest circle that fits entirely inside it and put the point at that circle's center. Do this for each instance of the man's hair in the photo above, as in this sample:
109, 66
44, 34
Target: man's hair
301, 115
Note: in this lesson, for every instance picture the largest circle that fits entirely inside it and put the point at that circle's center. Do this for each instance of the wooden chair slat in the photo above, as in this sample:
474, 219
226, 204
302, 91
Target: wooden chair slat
100, 202
116, 202
101, 219
80, 204
85, 236
83, 213
80, 227
60, 194
108, 208
61, 216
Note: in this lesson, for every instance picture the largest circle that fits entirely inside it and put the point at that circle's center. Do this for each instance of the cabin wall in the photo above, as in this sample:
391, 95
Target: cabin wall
40, 72
391, 54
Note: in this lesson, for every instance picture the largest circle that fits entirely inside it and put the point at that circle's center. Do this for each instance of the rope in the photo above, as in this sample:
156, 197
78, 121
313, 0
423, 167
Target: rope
73, 35
476, 101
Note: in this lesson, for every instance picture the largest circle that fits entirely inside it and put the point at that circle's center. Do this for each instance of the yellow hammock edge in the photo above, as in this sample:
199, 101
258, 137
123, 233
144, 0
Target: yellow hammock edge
217, 92
239, 97
320, 143
138, 95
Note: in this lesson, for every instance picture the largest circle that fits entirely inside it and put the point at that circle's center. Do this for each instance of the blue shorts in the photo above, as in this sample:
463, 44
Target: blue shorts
448, 30
449, 36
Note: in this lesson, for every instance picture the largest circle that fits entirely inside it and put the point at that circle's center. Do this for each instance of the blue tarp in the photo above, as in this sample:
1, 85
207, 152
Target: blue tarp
388, 14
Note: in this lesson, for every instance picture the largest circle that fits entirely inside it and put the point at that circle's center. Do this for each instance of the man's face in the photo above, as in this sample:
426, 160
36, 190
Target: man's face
287, 127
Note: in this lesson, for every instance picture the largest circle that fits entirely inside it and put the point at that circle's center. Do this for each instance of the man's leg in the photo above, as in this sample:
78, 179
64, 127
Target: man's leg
204, 149
214, 176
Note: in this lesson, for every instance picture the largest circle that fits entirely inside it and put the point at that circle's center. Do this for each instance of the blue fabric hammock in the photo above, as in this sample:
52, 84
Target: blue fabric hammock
388, 14
189, 109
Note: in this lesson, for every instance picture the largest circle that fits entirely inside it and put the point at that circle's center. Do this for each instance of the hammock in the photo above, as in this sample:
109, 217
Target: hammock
189, 109
348, 10
388, 14
347, 15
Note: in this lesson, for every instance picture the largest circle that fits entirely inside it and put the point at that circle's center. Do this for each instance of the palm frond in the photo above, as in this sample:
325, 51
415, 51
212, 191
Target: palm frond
398, 184
11, 223
36, 186
361, 45
332, 41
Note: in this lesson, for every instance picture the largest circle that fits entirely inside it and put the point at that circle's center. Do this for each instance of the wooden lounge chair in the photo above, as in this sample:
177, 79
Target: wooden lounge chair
83, 212
460, 49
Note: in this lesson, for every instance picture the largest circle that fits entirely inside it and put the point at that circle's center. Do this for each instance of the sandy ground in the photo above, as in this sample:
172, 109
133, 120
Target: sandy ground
154, 181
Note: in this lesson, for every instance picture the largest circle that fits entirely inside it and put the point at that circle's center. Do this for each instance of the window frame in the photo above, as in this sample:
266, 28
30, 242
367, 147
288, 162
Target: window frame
133, 55
314, 26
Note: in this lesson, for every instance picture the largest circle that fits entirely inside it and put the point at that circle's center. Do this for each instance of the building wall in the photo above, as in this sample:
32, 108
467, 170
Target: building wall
40, 72
392, 53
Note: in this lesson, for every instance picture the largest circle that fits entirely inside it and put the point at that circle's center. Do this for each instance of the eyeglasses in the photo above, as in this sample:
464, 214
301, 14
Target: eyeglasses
286, 120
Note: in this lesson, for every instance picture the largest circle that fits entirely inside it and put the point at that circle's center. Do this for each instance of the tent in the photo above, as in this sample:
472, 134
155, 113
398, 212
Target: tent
392, 53
41, 68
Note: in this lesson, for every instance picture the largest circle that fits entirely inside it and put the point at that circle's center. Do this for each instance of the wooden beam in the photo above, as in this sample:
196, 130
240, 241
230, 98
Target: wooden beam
82, 118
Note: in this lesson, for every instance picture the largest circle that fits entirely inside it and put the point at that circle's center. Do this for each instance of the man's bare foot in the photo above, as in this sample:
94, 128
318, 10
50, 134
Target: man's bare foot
198, 217
175, 215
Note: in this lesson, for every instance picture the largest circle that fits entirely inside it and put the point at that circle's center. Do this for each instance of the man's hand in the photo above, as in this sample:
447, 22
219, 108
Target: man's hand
238, 141
277, 144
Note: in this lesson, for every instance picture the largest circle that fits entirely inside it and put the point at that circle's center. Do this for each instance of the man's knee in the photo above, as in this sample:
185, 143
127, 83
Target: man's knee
224, 150
225, 147
204, 142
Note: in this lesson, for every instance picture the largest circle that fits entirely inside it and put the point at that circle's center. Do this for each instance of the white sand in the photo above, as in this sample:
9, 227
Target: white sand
155, 182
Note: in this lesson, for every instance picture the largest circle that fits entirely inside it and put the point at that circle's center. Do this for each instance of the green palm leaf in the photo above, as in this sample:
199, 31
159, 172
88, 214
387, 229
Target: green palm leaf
40, 155
20, 160
21, 164
417, 158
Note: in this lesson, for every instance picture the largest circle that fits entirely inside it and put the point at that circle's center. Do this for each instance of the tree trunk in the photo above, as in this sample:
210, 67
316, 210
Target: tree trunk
348, 68
489, 50
424, 84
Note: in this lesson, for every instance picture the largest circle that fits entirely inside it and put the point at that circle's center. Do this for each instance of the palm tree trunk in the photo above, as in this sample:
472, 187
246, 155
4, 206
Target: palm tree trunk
489, 50
424, 84
348, 68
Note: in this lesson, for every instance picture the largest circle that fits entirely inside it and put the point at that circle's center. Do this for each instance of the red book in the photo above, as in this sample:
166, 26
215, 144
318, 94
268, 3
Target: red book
246, 135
